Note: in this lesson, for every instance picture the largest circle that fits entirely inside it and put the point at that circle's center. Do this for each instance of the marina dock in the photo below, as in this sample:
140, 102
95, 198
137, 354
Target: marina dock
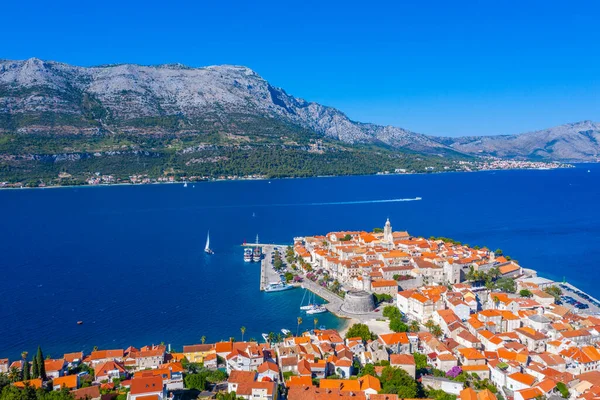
267, 274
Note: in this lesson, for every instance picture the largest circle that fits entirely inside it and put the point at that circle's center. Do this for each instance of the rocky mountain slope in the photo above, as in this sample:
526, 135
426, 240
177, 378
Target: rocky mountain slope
50, 97
223, 102
570, 142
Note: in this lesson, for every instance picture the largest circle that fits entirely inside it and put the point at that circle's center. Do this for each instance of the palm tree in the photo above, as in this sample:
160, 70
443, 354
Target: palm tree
315, 322
279, 338
243, 330
299, 323
429, 324
203, 339
414, 326
271, 337
436, 331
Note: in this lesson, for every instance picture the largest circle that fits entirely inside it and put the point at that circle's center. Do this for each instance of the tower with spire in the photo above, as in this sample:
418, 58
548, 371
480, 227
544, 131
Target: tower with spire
387, 232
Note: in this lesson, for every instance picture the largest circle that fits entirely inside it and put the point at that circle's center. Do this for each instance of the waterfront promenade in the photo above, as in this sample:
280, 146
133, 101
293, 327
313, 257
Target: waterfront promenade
333, 301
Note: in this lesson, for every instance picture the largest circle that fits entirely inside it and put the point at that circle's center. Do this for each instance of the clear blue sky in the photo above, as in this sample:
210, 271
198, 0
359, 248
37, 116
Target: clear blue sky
444, 68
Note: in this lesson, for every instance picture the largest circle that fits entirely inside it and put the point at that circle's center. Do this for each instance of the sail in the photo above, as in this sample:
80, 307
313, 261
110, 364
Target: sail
207, 247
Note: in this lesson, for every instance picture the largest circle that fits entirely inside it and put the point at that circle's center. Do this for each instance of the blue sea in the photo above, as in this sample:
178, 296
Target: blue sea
129, 260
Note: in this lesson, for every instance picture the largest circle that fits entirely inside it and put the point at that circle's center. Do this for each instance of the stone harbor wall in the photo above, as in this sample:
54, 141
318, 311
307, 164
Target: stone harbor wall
358, 302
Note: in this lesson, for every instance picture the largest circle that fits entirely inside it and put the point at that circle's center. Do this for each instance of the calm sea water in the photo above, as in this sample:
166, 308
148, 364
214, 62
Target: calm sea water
129, 260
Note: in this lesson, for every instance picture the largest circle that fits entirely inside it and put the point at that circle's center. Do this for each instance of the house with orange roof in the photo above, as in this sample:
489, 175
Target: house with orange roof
445, 361
69, 381
470, 394
510, 269
550, 360
518, 381
528, 394
582, 359
534, 340
367, 384
73, 359
34, 383
482, 371
55, 368
445, 319
107, 371
268, 369
87, 393
579, 336
397, 342
471, 356
295, 380
246, 385
196, 353
102, 356
315, 393
467, 339
146, 388
405, 362
238, 360
389, 287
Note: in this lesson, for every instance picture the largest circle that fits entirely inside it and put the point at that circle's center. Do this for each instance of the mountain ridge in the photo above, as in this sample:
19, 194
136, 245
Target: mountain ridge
54, 99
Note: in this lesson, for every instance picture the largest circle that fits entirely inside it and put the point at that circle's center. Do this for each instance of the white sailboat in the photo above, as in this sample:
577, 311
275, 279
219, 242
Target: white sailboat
207, 248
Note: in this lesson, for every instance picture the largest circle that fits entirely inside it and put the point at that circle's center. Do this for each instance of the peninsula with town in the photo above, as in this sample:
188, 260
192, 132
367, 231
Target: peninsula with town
428, 318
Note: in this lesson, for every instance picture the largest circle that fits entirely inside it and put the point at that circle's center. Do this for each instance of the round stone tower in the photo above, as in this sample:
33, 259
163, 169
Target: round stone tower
358, 302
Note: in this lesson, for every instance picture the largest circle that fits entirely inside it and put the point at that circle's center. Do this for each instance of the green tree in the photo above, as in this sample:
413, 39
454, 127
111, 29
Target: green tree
525, 293
397, 325
498, 252
391, 312
203, 339
368, 369
420, 361
360, 330
41, 364
414, 326
315, 322
436, 331
377, 230
506, 285
243, 330
564, 391
554, 291
195, 381
397, 381
35, 371
24, 367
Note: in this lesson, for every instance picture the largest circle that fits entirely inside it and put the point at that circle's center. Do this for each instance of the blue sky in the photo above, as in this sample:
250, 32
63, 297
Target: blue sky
442, 68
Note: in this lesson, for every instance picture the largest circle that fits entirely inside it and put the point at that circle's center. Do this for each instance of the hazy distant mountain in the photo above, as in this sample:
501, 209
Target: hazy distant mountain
570, 142
167, 99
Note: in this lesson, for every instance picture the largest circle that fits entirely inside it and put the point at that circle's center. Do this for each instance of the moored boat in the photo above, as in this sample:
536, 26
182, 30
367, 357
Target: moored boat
265, 336
285, 332
278, 287
248, 254
317, 310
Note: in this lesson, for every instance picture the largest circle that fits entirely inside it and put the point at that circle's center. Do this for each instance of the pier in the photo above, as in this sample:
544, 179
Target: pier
267, 274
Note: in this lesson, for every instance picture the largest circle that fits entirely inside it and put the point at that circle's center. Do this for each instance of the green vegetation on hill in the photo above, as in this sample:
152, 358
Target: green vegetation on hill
33, 159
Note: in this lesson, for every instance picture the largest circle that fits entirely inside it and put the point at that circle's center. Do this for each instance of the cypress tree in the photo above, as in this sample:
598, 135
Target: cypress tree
41, 366
35, 371
26, 374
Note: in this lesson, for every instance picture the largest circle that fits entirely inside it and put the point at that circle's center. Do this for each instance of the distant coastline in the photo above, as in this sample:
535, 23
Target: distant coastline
5, 185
